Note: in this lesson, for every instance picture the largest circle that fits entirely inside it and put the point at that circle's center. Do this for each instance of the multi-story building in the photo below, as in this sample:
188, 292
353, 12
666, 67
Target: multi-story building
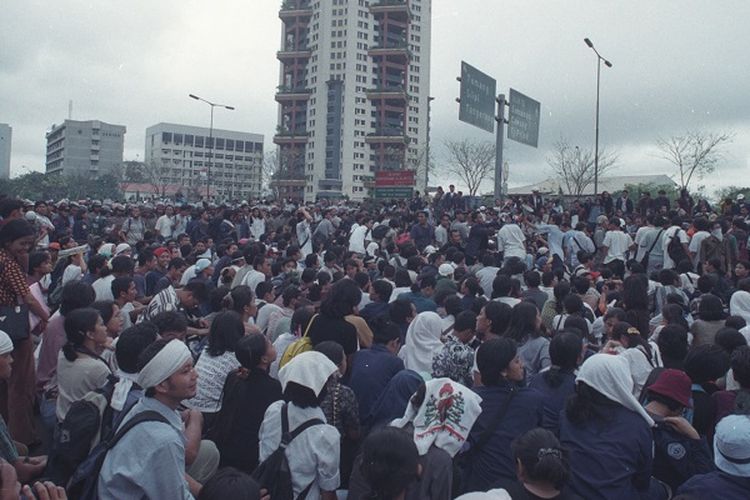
353, 94
6, 139
87, 148
185, 156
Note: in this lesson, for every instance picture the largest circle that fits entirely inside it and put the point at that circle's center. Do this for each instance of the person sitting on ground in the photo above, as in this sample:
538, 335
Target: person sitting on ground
456, 359
736, 400
247, 394
230, 483
423, 342
679, 451
373, 368
732, 479
149, 461
170, 325
380, 293
541, 467
525, 328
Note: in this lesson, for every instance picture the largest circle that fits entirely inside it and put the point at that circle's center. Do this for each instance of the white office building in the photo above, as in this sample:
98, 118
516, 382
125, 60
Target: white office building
353, 94
181, 155
86, 148
6, 140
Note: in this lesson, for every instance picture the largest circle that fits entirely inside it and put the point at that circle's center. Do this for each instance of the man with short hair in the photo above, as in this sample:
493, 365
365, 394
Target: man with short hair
149, 460
380, 295
260, 272
175, 269
183, 300
122, 265
422, 233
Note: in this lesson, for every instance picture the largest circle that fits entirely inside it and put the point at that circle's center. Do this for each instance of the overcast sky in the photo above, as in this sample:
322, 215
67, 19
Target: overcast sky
678, 65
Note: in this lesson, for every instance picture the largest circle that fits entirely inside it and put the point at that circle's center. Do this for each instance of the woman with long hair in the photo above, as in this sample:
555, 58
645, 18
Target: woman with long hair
557, 383
247, 393
331, 323
607, 433
636, 304
17, 393
80, 368
216, 361
642, 355
525, 329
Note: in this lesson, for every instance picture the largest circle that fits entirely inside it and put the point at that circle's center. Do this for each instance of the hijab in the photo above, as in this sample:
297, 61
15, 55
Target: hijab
739, 305
422, 342
610, 375
444, 418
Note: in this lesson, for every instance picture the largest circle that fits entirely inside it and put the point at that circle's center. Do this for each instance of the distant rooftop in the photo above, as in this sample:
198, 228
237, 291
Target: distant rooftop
611, 184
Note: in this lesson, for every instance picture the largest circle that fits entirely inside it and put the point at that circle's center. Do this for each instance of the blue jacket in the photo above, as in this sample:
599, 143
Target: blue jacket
554, 397
421, 303
611, 456
717, 484
373, 310
494, 460
372, 369
677, 458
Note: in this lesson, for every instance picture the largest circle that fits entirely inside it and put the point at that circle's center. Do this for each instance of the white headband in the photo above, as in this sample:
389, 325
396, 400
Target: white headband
166, 362
6, 345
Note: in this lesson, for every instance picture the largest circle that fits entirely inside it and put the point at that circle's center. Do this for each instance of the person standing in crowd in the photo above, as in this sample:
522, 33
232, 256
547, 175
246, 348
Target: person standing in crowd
17, 390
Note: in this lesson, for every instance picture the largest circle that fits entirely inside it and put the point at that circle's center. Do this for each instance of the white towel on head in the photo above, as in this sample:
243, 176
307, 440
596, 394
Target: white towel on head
166, 362
739, 305
422, 342
445, 417
309, 369
124, 383
610, 375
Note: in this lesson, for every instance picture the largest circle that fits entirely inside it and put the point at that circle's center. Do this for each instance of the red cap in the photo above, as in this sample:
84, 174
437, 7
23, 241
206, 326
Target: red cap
160, 251
54, 246
674, 384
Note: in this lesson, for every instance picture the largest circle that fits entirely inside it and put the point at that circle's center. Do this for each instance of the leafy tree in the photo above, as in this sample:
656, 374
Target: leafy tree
694, 153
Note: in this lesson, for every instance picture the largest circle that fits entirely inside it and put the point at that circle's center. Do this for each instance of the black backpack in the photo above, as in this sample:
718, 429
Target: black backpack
83, 484
273, 473
675, 250
88, 421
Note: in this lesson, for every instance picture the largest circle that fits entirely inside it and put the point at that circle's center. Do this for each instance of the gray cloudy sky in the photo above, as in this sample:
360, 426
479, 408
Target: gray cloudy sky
678, 65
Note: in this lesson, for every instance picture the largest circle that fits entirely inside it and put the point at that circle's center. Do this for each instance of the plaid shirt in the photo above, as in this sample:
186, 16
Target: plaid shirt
13, 285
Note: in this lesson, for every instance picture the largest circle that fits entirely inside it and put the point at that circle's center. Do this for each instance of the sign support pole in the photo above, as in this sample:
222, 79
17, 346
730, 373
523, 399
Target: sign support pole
499, 146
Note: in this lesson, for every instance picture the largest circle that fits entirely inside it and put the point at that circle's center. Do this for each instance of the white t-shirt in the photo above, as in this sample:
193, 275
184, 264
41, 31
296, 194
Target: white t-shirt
618, 244
71, 273
164, 226
357, 240
668, 262
103, 288
304, 238
695, 246
512, 241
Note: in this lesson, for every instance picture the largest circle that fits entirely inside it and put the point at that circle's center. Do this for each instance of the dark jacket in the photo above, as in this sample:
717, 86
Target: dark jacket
610, 456
677, 458
371, 371
705, 486
494, 460
243, 406
554, 397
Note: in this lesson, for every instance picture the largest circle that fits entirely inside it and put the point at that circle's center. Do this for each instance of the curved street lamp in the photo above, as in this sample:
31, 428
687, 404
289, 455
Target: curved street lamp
607, 63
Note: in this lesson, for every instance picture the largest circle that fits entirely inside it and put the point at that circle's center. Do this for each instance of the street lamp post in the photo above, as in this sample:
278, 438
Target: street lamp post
210, 139
427, 146
599, 60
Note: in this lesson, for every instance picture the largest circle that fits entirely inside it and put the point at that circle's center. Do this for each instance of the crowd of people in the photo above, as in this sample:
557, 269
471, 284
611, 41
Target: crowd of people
426, 349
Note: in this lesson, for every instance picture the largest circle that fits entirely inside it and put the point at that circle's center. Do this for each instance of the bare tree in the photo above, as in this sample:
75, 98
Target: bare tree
575, 167
694, 154
472, 162
269, 169
157, 174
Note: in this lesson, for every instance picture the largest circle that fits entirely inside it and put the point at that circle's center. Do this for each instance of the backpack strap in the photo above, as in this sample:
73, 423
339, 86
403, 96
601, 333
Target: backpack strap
145, 416
286, 436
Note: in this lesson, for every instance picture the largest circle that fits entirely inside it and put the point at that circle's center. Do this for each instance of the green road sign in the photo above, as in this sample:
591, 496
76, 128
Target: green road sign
523, 119
394, 193
477, 105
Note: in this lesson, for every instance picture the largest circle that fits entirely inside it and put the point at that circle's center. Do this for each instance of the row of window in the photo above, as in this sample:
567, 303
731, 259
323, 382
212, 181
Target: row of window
200, 141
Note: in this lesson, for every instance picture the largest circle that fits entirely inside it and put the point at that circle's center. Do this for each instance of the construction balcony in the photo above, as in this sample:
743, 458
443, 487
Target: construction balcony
289, 94
293, 10
291, 53
390, 136
290, 137
392, 92
398, 50
396, 9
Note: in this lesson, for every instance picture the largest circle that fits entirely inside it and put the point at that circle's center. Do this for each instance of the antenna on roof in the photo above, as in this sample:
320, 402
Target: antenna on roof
70, 109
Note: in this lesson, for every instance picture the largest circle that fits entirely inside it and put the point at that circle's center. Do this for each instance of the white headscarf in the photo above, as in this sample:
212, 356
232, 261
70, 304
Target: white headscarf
166, 362
739, 305
497, 494
6, 345
422, 342
310, 369
610, 375
445, 418
122, 388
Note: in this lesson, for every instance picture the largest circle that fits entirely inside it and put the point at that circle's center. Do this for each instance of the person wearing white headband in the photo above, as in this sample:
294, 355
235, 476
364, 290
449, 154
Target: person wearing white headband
149, 461
27, 468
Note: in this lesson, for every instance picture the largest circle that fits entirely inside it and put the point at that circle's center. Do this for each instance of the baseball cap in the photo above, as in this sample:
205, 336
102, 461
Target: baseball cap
429, 250
202, 265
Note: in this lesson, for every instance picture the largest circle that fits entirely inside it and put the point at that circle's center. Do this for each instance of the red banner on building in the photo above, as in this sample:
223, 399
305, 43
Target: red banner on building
394, 178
